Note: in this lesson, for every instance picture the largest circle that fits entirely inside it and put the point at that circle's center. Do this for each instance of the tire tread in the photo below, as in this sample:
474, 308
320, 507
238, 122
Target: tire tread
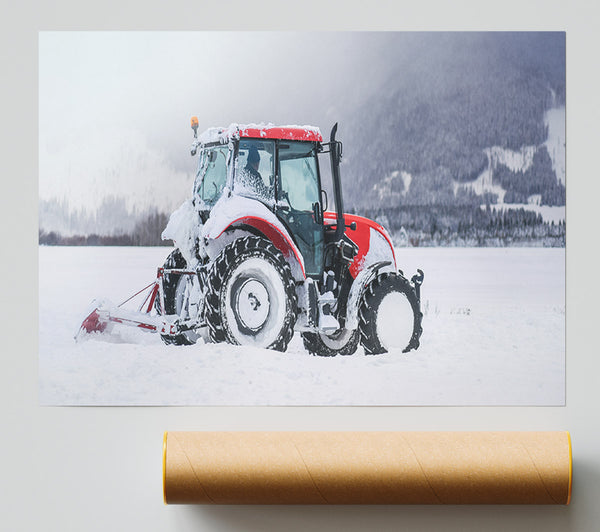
217, 278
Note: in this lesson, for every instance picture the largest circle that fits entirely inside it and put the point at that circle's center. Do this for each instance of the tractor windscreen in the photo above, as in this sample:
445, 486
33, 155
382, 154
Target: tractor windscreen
298, 170
255, 170
298, 201
212, 174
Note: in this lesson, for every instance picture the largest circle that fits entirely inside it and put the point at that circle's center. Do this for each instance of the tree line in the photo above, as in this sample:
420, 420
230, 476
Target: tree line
469, 226
146, 232
411, 225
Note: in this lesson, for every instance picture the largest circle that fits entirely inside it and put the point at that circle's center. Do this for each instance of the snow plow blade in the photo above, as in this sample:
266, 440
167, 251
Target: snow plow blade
95, 322
104, 315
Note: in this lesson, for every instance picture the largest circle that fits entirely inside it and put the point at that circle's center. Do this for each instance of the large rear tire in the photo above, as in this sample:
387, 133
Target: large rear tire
174, 286
389, 315
342, 342
251, 297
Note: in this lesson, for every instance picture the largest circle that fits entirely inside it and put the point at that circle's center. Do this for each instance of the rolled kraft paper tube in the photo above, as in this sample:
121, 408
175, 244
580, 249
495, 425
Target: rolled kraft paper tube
367, 467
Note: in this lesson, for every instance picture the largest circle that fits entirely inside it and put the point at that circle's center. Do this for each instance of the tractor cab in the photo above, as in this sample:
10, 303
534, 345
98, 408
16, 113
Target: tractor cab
281, 172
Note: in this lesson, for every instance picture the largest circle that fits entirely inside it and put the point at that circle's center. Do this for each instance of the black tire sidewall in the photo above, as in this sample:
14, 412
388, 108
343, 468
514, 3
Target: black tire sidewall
314, 344
224, 268
383, 285
170, 282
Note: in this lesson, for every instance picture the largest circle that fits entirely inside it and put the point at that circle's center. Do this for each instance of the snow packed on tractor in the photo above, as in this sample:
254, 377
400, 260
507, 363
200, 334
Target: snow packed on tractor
258, 255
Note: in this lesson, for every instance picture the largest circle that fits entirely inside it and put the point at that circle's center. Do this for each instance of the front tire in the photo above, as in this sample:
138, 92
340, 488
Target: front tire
251, 297
342, 342
389, 315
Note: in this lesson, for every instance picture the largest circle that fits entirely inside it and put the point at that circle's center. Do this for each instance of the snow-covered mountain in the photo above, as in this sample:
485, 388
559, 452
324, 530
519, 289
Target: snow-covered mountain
483, 114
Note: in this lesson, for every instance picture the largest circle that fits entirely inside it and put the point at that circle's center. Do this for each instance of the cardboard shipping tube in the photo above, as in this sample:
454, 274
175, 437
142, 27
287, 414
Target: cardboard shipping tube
367, 467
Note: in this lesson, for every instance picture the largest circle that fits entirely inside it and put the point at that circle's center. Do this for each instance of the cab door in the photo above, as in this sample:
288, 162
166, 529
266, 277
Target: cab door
298, 201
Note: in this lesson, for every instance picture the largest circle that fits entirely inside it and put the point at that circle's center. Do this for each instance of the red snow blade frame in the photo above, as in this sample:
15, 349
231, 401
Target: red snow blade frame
105, 314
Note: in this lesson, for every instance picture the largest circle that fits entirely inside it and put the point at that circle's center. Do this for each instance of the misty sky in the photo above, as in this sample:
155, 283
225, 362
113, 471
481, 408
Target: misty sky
115, 106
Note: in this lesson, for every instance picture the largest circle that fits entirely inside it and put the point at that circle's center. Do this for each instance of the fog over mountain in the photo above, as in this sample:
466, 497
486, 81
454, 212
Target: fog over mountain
427, 119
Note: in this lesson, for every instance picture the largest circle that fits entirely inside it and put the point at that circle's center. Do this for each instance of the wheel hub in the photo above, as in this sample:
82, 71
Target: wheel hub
252, 304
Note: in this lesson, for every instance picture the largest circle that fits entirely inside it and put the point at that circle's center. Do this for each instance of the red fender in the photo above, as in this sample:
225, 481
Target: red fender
361, 236
280, 240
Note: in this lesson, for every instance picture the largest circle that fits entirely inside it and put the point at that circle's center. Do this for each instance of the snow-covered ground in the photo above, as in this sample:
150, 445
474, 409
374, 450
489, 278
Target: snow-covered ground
494, 334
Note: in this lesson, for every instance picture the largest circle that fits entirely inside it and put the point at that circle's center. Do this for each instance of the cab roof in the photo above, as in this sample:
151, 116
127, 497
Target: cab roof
260, 131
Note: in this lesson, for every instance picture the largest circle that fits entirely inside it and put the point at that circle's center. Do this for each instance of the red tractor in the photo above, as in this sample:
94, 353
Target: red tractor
258, 255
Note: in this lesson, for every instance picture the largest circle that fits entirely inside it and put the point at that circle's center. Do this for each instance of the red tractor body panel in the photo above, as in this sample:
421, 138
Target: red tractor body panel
307, 133
361, 236
258, 131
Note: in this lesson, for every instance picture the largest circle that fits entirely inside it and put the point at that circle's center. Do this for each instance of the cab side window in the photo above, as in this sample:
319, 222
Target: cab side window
298, 192
212, 174
299, 181
255, 170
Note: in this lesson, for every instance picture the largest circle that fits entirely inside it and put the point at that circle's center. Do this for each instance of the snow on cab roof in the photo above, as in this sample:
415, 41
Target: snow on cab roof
260, 131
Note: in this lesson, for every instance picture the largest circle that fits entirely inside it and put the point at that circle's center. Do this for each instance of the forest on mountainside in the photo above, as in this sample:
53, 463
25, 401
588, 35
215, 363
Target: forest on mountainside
464, 93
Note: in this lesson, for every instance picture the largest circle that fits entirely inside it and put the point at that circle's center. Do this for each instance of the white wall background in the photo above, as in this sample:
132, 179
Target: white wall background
98, 469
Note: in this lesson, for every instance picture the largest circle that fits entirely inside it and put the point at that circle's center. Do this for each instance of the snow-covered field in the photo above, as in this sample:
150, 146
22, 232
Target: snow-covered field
494, 334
